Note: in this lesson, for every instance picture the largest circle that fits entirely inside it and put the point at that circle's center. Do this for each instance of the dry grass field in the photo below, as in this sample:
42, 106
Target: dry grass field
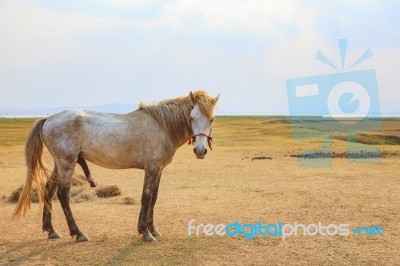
230, 185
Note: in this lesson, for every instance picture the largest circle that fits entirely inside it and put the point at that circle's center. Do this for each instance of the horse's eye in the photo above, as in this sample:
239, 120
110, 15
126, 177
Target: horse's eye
212, 120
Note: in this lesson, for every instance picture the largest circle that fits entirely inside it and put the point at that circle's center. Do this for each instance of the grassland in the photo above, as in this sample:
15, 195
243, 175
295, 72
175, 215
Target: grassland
229, 185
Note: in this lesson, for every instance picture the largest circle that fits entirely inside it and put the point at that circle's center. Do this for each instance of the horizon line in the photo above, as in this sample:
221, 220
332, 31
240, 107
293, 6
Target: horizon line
233, 115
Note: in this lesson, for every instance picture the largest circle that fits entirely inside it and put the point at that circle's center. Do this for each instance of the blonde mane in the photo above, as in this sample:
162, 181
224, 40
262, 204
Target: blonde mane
174, 114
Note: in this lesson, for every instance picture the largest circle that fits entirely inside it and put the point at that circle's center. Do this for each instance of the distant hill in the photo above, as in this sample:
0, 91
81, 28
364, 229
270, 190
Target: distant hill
109, 108
120, 109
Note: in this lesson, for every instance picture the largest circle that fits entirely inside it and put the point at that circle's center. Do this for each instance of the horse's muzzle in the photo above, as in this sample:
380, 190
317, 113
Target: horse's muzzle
200, 154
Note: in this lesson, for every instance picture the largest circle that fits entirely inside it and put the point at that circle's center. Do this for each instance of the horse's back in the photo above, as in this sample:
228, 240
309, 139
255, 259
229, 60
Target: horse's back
109, 140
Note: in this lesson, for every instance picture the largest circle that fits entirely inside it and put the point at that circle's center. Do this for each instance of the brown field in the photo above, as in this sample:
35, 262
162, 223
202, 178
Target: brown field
227, 186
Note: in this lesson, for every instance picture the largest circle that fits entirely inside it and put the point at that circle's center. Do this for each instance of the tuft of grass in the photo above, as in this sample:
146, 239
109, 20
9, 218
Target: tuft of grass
81, 194
76, 191
108, 191
82, 197
16, 193
78, 194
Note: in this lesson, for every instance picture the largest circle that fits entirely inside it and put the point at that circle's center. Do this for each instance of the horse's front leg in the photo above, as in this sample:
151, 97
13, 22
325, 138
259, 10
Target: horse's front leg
150, 220
150, 185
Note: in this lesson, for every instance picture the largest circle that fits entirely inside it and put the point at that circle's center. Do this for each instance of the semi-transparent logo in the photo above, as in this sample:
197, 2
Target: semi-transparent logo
342, 104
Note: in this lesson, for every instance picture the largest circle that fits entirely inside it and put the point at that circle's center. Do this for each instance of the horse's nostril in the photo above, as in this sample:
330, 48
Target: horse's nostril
194, 150
205, 151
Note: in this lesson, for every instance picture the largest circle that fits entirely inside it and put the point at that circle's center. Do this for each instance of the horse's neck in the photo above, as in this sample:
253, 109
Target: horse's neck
182, 122
175, 121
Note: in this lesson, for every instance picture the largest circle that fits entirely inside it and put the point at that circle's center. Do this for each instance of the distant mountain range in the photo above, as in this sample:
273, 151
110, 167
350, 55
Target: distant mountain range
109, 108
115, 108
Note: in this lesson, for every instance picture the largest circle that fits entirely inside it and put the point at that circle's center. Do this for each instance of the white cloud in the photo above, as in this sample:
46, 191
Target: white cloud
147, 50
31, 35
132, 5
257, 16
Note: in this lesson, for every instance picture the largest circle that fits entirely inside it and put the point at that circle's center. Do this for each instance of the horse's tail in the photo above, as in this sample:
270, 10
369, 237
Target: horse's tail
36, 170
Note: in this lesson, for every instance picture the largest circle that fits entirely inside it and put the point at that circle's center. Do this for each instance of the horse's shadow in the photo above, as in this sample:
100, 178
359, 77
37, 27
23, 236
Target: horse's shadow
121, 256
10, 256
37, 247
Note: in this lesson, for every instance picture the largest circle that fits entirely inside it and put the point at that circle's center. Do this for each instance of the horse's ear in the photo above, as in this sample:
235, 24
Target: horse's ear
217, 98
192, 98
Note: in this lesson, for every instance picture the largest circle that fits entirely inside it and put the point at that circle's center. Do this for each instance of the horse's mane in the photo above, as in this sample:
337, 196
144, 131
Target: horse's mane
174, 114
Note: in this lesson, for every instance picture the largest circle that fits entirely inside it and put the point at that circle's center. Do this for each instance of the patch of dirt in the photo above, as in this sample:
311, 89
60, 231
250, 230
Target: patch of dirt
256, 156
261, 158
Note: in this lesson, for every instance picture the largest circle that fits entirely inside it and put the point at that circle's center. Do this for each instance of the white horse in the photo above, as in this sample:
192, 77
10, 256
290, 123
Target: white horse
146, 139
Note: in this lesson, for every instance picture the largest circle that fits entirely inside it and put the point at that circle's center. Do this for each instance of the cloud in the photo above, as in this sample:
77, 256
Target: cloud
372, 22
253, 16
128, 51
34, 35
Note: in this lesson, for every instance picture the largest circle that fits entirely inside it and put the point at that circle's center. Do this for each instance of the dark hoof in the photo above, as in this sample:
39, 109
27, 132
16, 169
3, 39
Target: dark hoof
148, 238
82, 238
54, 235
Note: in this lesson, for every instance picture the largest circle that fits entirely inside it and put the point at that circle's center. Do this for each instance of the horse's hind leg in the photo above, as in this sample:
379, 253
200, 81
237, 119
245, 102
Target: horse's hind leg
63, 194
51, 187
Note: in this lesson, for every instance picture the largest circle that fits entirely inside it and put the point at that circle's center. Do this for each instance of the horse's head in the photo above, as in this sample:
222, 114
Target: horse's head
202, 117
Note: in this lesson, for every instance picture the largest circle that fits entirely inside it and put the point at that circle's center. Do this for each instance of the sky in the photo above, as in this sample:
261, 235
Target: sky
57, 53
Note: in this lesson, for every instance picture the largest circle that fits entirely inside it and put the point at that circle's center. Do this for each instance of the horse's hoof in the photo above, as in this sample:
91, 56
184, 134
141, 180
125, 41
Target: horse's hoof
155, 233
82, 238
54, 235
148, 238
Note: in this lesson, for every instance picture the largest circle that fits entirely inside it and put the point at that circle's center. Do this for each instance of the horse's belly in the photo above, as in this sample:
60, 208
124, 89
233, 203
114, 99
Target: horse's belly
111, 161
